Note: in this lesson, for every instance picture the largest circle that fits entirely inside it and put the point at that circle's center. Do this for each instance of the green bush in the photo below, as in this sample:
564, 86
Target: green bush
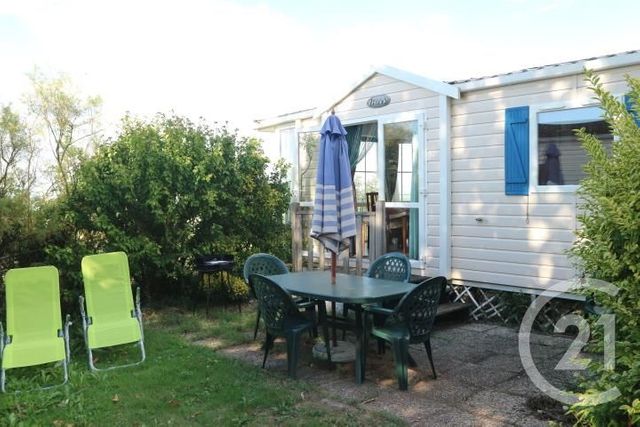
16, 222
168, 190
233, 290
608, 248
26, 227
513, 307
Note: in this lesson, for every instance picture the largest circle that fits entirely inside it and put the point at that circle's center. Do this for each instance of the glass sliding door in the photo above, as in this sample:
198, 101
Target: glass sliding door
401, 186
387, 162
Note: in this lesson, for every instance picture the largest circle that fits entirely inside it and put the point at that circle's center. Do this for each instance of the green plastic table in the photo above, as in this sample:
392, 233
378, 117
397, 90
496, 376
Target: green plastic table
356, 290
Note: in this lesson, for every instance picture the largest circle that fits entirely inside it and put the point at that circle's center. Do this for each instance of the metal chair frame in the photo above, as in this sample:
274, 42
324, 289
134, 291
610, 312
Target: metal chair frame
86, 322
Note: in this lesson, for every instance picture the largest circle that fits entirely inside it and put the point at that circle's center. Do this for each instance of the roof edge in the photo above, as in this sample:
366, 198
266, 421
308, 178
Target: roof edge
264, 124
551, 71
440, 87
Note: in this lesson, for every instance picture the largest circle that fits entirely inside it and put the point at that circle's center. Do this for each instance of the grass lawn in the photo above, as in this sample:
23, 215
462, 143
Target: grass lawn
180, 384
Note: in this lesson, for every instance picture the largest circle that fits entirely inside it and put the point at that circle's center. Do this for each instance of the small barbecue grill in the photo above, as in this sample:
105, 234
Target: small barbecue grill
221, 264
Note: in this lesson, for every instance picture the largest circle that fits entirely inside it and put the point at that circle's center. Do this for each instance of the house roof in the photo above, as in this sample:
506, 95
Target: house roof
548, 71
455, 87
263, 124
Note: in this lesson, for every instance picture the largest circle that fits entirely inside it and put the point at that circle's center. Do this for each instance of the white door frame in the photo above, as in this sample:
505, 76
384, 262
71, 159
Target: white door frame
420, 118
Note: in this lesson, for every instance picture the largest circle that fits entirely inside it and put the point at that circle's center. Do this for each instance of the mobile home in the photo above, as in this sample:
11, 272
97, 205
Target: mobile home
478, 176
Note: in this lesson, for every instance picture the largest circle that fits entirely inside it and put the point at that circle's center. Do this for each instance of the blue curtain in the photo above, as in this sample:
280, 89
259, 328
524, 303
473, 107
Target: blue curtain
360, 139
354, 140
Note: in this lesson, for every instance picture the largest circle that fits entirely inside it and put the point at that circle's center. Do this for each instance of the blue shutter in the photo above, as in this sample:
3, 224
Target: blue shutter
628, 102
516, 151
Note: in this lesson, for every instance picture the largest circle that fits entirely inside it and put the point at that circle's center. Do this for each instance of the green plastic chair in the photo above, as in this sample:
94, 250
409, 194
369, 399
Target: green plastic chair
111, 317
409, 323
390, 266
267, 265
35, 334
283, 319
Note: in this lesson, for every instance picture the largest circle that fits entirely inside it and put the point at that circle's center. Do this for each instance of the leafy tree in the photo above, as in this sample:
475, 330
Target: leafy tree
20, 237
68, 120
27, 223
17, 153
608, 248
168, 189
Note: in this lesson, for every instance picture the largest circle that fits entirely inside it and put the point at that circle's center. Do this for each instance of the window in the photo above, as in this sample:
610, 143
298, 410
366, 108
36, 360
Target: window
287, 139
401, 184
401, 162
307, 164
560, 156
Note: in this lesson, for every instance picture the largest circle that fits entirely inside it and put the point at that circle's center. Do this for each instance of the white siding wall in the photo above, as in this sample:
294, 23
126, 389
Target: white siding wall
506, 247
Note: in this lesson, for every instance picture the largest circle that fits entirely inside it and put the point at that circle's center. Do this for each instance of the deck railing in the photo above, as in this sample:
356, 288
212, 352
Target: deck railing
370, 234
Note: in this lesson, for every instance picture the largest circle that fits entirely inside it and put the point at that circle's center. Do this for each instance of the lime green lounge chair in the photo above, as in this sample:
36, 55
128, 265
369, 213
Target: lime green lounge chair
35, 334
111, 318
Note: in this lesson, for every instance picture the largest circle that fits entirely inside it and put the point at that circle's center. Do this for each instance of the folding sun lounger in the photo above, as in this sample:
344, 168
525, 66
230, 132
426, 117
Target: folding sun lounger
35, 334
111, 318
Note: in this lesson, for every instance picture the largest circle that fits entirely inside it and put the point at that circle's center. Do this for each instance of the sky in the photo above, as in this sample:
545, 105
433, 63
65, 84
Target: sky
242, 60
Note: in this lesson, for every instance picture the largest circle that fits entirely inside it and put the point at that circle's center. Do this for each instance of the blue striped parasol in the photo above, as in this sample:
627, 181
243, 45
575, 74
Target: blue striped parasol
334, 220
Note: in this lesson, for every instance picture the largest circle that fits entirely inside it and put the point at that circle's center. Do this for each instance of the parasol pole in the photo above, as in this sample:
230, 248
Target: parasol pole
333, 303
333, 268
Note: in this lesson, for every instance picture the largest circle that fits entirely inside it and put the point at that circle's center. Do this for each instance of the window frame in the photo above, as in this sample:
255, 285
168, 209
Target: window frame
534, 187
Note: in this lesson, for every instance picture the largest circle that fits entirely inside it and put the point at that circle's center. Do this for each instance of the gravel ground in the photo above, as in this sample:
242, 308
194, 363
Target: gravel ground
481, 379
